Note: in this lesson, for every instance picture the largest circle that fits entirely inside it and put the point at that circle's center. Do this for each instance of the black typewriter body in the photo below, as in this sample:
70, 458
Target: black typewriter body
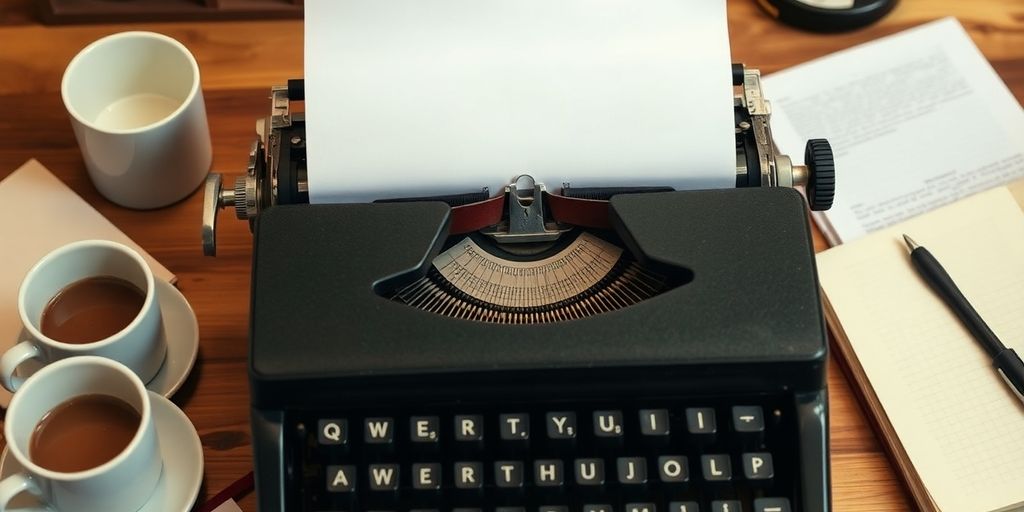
709, 396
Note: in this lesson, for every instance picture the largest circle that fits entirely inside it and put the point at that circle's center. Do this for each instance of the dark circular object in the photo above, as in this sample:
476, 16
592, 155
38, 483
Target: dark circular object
821, 169
827, 15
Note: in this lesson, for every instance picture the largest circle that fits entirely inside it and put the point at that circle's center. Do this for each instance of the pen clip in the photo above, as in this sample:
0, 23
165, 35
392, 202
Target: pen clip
1010, 384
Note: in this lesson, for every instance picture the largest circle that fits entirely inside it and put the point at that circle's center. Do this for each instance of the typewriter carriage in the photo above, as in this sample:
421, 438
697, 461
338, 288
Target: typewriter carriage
277, 174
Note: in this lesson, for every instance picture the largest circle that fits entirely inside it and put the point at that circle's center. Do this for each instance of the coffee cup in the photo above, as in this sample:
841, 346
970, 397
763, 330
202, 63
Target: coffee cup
137, 110
91, 297
109, 460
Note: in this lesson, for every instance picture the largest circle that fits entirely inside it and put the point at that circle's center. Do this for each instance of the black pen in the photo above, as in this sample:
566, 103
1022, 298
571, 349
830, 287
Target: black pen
1005, 360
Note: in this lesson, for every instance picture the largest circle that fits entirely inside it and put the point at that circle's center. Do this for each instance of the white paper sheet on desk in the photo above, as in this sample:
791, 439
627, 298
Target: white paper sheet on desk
917, 120
413, 98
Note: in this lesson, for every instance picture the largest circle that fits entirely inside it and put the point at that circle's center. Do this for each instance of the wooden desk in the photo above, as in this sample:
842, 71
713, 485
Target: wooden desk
241, 60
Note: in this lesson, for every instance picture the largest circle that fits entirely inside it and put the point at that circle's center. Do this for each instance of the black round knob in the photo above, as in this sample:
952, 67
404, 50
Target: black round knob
821, 174
818, 16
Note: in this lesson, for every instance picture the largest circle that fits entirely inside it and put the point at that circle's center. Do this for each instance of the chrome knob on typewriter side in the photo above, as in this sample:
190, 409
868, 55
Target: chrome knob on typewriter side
244, 197
257, 189
277, 174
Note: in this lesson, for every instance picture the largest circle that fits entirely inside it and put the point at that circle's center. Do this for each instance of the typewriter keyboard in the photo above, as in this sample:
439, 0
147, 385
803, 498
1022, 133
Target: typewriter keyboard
636, 456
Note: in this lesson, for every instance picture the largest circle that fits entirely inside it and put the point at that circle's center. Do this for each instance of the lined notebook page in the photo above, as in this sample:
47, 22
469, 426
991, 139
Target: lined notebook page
960, 425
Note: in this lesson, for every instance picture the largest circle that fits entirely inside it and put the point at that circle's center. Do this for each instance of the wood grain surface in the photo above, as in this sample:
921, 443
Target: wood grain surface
239, 63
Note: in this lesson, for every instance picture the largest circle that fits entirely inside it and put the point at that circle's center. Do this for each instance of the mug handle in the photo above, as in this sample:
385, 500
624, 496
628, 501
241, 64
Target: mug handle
12, 359
15, 485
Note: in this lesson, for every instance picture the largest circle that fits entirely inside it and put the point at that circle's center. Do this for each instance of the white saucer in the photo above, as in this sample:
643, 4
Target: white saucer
180, 448
181, 330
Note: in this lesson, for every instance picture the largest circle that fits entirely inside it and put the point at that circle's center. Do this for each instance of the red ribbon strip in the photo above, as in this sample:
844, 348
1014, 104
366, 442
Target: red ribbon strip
236, 490
588, 213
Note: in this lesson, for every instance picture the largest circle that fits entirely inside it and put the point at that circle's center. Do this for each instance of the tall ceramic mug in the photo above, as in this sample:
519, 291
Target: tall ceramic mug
121, 484
140, 345
137, 110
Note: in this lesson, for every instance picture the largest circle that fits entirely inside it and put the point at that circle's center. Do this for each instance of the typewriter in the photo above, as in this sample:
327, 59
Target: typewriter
593, 350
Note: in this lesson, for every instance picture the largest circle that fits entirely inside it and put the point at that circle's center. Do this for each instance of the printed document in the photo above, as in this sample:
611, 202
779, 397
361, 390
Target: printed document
916, 120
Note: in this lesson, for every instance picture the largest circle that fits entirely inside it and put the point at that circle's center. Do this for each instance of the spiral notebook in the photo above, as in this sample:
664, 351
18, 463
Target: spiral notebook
955, 430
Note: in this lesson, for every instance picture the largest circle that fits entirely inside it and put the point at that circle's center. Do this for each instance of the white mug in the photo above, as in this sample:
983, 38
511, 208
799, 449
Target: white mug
123, 483
140, 345
137, 110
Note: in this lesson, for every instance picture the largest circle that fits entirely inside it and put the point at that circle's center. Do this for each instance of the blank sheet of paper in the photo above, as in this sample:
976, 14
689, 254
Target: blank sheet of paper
917, 120
959, 423
413, 98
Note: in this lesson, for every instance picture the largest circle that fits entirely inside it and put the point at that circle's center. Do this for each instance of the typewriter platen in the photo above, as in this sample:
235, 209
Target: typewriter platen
594, 350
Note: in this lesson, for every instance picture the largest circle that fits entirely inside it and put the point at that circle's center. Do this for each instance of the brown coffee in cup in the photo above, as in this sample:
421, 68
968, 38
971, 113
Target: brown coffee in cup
91, 309
83, 432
